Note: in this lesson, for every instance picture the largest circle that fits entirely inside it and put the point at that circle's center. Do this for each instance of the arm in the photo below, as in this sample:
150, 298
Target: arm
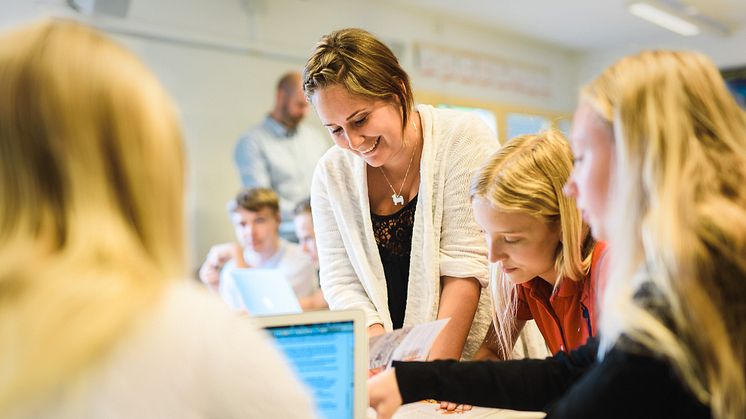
629, 385
490, 349
313, 302
458, 300
218, 255
527, 384
340, 284
302, 274
463, 252
251, 163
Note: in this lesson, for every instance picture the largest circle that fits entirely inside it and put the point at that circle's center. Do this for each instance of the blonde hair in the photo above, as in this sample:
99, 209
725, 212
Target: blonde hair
527, 176
91, 181
363, 65
678, 221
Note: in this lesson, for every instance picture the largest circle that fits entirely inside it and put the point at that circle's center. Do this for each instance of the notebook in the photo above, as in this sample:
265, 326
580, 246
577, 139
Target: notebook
329, 352
264, 291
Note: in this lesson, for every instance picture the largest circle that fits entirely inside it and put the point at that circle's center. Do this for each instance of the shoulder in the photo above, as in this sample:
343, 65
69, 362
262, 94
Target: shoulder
455, 123
256, 134
597, 271
457, 133
599, 253
337, 162
294, 254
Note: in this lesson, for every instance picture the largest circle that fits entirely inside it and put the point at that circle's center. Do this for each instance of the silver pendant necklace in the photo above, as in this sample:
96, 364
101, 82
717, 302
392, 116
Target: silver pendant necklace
398, 198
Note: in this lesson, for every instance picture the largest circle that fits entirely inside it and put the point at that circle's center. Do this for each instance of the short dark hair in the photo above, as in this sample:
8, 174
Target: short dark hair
303, 207
254, 200
289, 81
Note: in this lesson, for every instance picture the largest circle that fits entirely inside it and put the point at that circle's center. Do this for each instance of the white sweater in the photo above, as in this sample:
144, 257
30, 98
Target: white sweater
446, 240
191, 358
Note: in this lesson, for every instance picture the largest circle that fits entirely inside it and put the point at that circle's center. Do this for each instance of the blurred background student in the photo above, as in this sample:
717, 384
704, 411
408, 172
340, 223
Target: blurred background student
280, 153
97, 318
303, 221
255, 215
395, 232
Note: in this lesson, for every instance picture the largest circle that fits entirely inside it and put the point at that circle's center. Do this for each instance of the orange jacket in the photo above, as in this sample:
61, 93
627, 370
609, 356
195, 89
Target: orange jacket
567, 317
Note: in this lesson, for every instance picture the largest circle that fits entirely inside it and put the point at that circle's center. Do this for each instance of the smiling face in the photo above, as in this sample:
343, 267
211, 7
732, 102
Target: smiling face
592, 143
369, 128
525, 245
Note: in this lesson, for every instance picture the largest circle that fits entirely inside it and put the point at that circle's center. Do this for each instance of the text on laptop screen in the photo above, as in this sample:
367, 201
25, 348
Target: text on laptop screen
323, 356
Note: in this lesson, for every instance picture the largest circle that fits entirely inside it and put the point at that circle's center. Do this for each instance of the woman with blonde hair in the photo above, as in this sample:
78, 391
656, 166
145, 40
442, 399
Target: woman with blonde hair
395, 234
547, 263
660, 164
96, 315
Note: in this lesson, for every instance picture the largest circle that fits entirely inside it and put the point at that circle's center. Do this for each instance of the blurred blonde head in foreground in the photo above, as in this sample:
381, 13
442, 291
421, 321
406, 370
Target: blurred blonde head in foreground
676, 219
92, 186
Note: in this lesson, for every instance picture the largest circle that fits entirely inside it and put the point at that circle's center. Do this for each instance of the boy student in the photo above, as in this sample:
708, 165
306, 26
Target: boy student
255, 215
307, 239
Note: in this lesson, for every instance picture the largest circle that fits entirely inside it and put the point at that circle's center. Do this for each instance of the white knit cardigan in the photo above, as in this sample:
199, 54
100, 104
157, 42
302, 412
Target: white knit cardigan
446, 240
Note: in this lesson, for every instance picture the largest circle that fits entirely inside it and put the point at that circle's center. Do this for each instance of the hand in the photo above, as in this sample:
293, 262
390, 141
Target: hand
374, 371
453, 407
383, 394
218, 255
375, 329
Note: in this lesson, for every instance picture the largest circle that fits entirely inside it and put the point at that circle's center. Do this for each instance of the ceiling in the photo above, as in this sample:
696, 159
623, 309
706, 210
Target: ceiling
580, 25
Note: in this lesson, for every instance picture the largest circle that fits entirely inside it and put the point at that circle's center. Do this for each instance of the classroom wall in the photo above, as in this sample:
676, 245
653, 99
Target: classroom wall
725, 52
220, 60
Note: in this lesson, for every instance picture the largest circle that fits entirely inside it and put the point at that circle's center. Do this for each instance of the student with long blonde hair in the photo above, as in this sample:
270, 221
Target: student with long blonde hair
660, 169
97, 318
542, 249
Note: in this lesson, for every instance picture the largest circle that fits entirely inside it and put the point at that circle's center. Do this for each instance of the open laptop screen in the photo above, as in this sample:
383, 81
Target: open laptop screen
323, 356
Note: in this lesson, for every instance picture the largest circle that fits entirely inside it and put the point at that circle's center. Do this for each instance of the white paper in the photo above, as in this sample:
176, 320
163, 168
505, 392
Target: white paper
431, 409
411, 343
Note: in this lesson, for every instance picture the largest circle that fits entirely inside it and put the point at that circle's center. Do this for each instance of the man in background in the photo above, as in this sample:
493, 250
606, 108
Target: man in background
280, 153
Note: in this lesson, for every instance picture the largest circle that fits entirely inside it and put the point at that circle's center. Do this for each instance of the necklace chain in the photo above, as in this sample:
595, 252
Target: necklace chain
404, 181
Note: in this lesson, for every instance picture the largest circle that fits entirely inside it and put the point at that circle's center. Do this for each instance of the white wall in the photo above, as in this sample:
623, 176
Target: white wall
220, 60
724, 51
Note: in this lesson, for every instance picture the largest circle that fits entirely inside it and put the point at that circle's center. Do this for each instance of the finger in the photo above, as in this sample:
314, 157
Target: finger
449, 406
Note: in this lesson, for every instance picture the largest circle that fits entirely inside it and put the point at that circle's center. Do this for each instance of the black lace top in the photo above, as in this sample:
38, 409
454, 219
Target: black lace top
393, 234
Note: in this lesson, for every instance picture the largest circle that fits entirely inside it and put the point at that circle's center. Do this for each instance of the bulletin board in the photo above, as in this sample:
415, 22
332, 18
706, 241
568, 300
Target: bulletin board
509, 120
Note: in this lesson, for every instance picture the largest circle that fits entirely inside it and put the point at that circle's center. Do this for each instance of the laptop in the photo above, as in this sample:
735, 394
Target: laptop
260, 291
329, 352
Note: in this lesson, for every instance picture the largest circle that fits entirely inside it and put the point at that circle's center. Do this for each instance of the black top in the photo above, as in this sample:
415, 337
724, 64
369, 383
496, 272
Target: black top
625, 384
394, 238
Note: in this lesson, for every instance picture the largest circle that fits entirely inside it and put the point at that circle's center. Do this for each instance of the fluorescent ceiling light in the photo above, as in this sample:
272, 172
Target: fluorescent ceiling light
663, 18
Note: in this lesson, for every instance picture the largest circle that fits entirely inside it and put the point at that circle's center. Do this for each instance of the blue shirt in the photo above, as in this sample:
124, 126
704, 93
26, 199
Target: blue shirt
269, 155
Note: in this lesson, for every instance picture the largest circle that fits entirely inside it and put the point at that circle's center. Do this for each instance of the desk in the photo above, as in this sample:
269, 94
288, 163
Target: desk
424, 410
